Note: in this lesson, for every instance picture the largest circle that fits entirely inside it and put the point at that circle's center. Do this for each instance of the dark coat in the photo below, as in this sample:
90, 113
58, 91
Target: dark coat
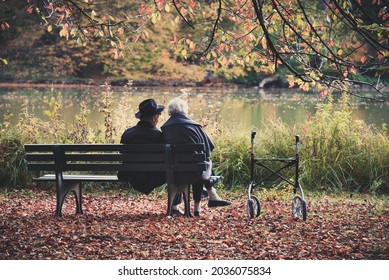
180, 129
143, 133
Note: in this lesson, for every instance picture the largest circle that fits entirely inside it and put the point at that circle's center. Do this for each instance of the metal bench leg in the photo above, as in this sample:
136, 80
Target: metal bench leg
62, 190
77, 193
186, 193
172, 191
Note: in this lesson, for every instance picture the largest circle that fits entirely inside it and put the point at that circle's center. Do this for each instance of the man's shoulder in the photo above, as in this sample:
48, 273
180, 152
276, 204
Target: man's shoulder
141, 135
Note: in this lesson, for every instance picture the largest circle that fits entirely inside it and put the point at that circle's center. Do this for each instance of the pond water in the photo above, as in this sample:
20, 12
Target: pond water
246, 109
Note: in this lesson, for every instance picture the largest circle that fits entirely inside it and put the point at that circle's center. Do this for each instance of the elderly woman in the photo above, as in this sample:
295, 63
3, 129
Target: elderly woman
180, 129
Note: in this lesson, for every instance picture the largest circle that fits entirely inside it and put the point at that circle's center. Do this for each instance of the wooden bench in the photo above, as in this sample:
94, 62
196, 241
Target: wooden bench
72, 164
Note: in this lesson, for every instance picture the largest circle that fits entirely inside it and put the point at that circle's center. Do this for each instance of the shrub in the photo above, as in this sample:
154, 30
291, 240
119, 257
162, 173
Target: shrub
343, 153
13, 168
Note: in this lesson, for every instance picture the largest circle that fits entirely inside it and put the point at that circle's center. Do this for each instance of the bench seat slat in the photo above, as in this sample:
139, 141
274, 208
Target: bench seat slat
79, 178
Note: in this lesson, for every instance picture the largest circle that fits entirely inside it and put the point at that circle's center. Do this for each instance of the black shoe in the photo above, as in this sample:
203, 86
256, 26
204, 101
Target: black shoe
176, 212
218, 203
197, 213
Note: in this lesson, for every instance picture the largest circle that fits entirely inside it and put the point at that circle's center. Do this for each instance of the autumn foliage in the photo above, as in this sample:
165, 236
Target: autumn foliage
120, 225
326, 44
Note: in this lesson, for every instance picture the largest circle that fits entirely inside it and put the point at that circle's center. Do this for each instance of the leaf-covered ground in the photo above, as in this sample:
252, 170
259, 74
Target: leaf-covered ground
118, 226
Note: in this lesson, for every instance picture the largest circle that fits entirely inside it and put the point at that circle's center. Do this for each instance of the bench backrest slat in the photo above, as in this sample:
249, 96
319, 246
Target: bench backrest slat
41, 166
39, 157
94, 147
115, 157
181, 158
141, 157
184, 148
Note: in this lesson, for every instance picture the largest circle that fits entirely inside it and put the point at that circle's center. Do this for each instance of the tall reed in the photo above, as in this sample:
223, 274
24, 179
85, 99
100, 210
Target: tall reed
343, 153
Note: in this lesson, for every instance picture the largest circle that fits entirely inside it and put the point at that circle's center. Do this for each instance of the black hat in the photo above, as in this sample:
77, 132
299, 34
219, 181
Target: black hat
148, 108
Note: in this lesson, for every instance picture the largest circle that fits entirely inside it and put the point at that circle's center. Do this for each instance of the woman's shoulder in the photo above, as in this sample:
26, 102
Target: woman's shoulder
180, 119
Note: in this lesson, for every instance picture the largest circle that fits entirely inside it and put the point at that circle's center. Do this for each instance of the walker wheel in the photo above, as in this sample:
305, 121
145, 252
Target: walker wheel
253, 207
299, 208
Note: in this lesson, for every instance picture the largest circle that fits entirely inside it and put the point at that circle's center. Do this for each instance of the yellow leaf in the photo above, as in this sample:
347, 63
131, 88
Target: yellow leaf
167, 8
74, 31
192, 45
340, 52
312, 75
264, 43
49, 28
184, 52
291, 80
93, 14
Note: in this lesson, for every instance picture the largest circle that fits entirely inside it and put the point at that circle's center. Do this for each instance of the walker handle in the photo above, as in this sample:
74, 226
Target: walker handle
297, 143
253, 136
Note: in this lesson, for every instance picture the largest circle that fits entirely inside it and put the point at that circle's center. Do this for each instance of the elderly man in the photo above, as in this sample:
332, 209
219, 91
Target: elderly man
180, 129
146, 132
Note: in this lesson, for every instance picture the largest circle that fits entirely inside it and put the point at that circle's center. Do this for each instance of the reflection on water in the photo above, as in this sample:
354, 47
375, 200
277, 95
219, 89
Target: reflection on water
246, 109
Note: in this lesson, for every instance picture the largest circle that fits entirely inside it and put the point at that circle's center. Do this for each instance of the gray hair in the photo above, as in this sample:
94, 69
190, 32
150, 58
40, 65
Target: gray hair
177, 106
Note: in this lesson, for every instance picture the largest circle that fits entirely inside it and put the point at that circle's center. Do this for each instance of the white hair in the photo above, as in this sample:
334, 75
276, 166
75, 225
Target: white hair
177, 106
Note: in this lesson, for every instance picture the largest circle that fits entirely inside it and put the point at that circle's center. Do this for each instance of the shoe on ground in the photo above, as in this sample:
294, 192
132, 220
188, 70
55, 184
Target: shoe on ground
218, 203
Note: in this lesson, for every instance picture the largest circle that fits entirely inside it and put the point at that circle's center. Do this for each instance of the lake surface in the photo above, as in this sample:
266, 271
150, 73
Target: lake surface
246, 109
